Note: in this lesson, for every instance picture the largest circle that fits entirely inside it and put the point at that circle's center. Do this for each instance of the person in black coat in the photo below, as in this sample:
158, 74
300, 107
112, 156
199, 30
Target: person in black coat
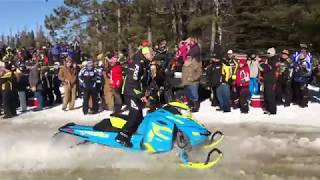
168, 91
269, 84
56, 83
214, 76
7, 81
15, 96
47, 84
155, 86
284, 73
135, 89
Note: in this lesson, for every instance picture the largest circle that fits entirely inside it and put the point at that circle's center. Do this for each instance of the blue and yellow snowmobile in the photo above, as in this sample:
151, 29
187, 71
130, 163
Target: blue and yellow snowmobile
157, 133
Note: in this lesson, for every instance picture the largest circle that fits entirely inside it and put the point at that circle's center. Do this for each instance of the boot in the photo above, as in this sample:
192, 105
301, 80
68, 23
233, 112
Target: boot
214, 103
124, 139
196, 106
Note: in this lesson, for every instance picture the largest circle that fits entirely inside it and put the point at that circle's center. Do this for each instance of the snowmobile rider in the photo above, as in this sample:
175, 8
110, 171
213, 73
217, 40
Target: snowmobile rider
135, 92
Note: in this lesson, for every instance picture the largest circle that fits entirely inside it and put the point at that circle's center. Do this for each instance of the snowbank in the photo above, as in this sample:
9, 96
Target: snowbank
292, 115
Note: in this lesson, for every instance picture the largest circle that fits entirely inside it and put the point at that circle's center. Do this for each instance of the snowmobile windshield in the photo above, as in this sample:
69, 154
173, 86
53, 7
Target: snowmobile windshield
179, 105
179, 109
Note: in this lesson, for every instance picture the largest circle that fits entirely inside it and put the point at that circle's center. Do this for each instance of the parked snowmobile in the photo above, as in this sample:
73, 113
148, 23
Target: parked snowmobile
157, 133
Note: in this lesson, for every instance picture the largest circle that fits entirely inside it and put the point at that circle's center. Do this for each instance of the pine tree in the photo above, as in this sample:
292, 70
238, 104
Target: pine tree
40, 39
239, 24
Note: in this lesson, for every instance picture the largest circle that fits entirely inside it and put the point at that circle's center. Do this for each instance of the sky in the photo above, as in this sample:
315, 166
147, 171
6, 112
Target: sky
17, 15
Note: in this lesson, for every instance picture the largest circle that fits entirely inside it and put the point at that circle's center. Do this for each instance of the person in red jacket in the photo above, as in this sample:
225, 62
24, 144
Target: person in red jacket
116, 84
242, 85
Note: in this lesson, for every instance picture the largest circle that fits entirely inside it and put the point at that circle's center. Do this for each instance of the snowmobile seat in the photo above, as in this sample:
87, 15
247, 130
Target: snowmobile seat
121, 116
105, 126
114, 124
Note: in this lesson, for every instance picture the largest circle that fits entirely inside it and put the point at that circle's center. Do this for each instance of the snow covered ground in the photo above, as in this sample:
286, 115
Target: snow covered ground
293, 115
257, 146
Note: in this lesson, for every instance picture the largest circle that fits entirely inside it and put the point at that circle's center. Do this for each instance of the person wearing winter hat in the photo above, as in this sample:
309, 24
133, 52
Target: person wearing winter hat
304, 50
269, 89
242, 85
47, 84
135, 91
84, 63
232, 64
271, 52
273, 58
68, 75
88, 77
300, 78
214, 73
56, 83
99, 67
7, 81
218, 75
284, 85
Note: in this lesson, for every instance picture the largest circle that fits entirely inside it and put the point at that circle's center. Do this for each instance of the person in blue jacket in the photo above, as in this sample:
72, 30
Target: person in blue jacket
88, 78
306, 54
302, 62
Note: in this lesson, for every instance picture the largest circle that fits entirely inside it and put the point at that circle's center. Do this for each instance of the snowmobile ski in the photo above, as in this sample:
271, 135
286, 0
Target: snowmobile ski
213, 141
197, 165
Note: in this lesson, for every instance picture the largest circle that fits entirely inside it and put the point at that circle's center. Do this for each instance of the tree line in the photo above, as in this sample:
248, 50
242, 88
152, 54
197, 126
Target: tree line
243, 25
25, 39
